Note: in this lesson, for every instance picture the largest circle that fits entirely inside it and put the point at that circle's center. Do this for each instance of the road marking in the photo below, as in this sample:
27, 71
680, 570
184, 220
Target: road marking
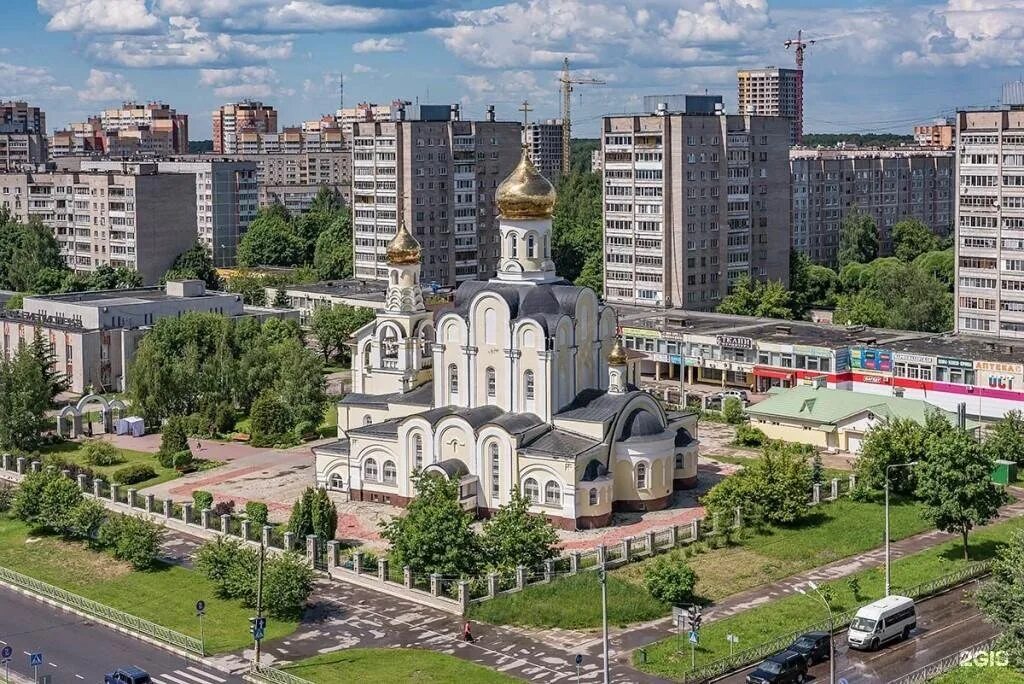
192, 677
207, 674
171, 677
51, 664
80, 676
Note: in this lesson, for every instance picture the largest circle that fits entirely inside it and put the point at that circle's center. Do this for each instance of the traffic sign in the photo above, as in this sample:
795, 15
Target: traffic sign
693, 637
579, 660
844, 680
257, 634
732, 638
35, 659
200, 607
6, 652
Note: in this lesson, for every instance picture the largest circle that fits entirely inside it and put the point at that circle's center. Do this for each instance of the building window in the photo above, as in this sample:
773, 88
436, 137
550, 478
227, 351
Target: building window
492, 383
453, 379
552, 493
367, 419
592, 496
390, 472
528, 385
679, 461
531, 246
641, 476
495, 469
417, 450
337, 482
513, 248
531, 491
370, 470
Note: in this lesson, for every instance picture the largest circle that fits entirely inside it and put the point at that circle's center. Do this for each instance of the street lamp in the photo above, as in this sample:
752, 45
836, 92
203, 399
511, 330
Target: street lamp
831, 630
603, 575
888, 572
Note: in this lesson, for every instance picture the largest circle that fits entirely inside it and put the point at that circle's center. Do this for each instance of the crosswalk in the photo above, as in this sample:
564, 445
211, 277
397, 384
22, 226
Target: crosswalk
187, 675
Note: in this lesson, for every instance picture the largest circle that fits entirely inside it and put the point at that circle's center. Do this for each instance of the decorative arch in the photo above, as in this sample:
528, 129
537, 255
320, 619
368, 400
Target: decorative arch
71, 415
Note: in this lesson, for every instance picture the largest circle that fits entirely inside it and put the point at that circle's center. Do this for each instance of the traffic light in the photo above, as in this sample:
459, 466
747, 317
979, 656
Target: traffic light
695, 620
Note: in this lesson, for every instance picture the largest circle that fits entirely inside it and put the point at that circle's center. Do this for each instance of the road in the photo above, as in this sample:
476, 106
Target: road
946, 624
76, 649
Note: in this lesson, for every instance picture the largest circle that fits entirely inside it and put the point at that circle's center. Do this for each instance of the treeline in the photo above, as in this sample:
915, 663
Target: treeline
859, 139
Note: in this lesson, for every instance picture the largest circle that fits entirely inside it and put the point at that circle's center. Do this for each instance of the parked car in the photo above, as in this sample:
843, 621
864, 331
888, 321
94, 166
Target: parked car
887, 619
735, 394
127, 675
813, 646
785, 667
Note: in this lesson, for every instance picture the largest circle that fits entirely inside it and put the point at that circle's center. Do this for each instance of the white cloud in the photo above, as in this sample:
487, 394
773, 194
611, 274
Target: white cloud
362, 69
102, 86
969, 32
19, 82
99, 16
379, 45
249, 81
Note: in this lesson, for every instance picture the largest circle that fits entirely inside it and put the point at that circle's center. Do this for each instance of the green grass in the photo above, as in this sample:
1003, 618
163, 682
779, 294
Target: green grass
571, 603
394, 665
329, 426
166, 595
786, 615
827, 473
978, 674
75, 451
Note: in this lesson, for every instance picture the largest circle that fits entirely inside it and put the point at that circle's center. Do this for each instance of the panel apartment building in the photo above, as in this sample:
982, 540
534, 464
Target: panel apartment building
22, 135
440, 174
134, 217
990, 222
691, 203
888, 184
772, 91
132, 130
232, 120
544, 141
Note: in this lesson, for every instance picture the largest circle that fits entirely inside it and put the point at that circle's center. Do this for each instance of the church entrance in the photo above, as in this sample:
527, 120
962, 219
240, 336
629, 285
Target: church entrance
454, 469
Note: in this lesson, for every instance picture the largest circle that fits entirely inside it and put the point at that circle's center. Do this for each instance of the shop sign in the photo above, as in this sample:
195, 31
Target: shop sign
842, 360
921, 359
734, 342
948, 362
998, 374
870, 358
874, 379
812, 351
640, 332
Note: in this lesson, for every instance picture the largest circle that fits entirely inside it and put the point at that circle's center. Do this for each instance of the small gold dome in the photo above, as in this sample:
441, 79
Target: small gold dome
525, 194
403, 248
617, 356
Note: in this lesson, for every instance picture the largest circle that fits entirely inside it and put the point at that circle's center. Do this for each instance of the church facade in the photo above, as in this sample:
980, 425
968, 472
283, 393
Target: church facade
523, 381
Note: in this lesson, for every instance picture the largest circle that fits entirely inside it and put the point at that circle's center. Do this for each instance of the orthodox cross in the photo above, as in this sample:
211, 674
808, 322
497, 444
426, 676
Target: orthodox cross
526, 109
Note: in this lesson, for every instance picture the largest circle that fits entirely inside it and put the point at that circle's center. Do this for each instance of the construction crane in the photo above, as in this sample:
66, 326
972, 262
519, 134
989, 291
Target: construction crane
799, 44
568, 82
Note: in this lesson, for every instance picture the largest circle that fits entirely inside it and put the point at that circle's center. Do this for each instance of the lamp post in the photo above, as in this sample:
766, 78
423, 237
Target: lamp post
604, 619
831, 630
888, 573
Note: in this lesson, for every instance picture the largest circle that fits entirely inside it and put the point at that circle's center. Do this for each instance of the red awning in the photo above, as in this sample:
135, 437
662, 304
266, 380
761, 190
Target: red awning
764, 372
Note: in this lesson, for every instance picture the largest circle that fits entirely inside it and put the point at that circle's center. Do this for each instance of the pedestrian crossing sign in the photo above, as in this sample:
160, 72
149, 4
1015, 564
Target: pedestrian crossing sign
693, 637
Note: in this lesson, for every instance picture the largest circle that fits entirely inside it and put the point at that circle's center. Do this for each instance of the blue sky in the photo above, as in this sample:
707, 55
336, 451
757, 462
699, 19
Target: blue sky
880, 65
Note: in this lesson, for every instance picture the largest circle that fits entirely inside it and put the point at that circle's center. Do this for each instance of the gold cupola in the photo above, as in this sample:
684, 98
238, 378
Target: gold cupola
617, 356
403, 248
525, 194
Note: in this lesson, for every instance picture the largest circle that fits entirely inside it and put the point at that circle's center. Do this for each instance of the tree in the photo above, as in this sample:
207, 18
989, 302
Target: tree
912, 238
42, 349
132, 539
300, 384
215, 558
332, 326
250, 286
514, 537
59, 499
1006, 438
939, 265
196, 263
757, 298
323, 515
270, 241
894, 294
954, 483
332, 254
35, 249
257, 514
173, 442
732, 411
898, 440
577, 224
25, 387
1001, 599
300, 523
858, 239
435, 535
669, 579
772, 489
106, 277
287, 584
269, 420
85, 520
592, 275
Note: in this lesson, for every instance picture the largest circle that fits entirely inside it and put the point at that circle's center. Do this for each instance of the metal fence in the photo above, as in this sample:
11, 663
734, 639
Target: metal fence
946, 664
98, 610
271, 674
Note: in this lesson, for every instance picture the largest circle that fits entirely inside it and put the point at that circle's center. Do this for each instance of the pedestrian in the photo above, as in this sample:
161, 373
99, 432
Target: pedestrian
467, 633
199, 445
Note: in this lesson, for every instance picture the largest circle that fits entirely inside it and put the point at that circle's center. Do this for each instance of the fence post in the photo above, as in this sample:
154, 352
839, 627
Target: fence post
168, 508
7, 461
267, 529
816, 496
97, 487
186, 513
246, 529
20, 464
204, 518
36, 466
435, 584
738, 519
650, 541
520, 577
150, 499
853, 481
835, 488
311, 542
464, 595
602, 555
131, 497
695, 530
549, 569
357, 562
673, 536
492, 584
66, 473
81, 481
627, 548
332, 554
225, 523
574, 562
407, 576
289, 541
382, 569
113, 491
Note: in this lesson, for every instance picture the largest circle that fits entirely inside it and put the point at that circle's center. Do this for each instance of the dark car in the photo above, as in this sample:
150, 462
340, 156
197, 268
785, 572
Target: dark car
127, 675
813, 646
787, 667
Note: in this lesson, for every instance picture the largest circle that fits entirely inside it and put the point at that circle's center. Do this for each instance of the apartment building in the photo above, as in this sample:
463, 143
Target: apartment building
22, 135
160, 120
134, 217
233, 119
691, 203
544, 141
772, 91
295, 179
990, 222
291, 140
888, 184
940, 134
366, 112
439, 173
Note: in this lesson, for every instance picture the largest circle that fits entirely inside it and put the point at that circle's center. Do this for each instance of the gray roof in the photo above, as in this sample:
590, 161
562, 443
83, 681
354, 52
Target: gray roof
517, 423
339, 447
360, 399
452, 467
683, 437
641, 424
560, 443
594, 470
596, 405
420, 396
544, 303
387, 428
476, 417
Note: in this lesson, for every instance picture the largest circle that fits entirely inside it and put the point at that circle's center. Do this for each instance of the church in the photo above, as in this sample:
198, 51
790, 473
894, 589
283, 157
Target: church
522, 380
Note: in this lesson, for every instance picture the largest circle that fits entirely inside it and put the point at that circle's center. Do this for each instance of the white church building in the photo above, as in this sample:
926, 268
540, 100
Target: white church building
523, 381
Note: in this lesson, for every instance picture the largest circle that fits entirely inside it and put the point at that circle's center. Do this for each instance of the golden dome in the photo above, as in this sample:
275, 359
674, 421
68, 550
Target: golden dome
617, 356
403, 248
525, 194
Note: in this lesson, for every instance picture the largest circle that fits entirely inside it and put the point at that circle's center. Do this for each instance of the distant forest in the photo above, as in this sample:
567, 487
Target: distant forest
866, 139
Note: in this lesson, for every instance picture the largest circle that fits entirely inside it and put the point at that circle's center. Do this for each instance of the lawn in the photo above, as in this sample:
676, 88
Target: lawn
836, 530
792, 613
394, 665
166, 596
75, 452
981, 674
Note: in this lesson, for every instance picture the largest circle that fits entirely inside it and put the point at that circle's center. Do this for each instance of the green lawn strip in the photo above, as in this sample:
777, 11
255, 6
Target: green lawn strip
75, 451
329, 426
980, 674
166, 596
668, 658
394, 665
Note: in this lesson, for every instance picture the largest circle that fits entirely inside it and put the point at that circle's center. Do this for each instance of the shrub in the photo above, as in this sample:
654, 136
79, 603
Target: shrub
100, 453
133, 474
59, 498
732, 411
179, 460
220, 418
86, 519
670, 579
202, 500
240, 580
132, 539
61, 463
214, 560
7, 490
224, 508
27, 499
749, 436
304, 429
772, 489
270, 420
287, 584
256, 513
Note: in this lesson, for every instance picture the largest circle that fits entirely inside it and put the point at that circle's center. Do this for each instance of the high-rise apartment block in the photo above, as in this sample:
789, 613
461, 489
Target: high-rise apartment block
691, 203
887, 184
134, 217
157, 118
543, 139
230, 121
291, 140
366, 112
132, 130
940, 134
990, 222
772, 91
438, 174
22, 135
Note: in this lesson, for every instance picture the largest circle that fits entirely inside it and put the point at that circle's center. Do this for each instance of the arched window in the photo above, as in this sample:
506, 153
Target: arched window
394, 277
490, 326
367, 419
492, 383
528, 385
370, 470
417, 451
425, 350
679, 461
452, 333
453, 379
531, 491
552, 493
389, 345
513, 248
531, 246
492, 450
641, 476
592, 496
337, 482
366, 355
390, 472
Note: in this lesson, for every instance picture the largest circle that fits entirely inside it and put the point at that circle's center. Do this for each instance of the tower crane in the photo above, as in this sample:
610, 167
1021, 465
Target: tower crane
568, 82
799, 45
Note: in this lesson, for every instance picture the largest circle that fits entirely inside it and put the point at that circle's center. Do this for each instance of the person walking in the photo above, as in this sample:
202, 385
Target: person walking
467, 632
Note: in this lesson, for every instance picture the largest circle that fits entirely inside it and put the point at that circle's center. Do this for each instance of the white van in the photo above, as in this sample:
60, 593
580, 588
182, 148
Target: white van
884, 620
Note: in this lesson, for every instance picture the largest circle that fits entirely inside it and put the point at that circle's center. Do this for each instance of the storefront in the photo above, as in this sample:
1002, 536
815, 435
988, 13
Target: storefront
772, 377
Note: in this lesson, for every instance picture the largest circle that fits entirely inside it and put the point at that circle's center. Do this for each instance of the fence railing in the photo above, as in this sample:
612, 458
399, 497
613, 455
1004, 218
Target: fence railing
98, 610
274, 675
950, 662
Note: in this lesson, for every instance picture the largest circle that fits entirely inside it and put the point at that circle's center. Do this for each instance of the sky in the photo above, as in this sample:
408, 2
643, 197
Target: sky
876, 66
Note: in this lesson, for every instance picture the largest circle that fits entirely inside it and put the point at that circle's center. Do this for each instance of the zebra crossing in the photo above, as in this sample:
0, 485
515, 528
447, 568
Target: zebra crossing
187, 675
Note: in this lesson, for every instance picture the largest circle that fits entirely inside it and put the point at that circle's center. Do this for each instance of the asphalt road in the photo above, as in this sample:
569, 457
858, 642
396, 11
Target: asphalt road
76, 649
946, 624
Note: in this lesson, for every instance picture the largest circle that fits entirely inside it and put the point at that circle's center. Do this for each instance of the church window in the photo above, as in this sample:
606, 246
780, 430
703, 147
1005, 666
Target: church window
679, 461
390, 472
453, 333
370, 470
552, 493
592, 497
528, 385
453, 378
492, 383
394, 277
337, 482
490, 326
531, 246
528, 342
366, 355
367, 419
513, 247
417, 450
495, 469
531, 490
641, 476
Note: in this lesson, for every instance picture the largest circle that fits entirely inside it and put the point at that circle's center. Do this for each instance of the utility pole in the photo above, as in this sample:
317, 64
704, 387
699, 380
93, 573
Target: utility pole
567, 83
258, 634
603, 574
